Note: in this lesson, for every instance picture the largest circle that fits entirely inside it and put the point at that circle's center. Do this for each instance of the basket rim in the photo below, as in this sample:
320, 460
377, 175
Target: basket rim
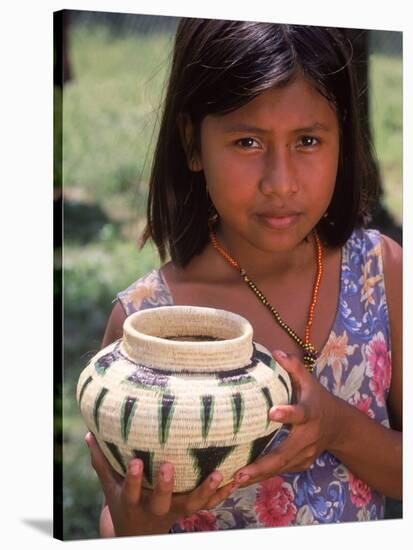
244, 324
160, 350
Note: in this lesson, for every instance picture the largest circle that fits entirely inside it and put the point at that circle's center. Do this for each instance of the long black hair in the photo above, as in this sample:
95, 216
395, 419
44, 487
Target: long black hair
219, 66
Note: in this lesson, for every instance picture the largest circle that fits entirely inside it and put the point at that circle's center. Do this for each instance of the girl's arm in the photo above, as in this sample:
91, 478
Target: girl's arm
393, 280
320, 421
114, 328
372, 452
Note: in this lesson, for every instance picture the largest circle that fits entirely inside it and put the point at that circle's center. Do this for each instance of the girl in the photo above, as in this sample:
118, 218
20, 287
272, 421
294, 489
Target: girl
261, 187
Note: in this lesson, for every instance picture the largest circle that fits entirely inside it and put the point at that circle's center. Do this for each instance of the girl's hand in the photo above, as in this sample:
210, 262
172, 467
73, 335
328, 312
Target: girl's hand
138, 511
314, 420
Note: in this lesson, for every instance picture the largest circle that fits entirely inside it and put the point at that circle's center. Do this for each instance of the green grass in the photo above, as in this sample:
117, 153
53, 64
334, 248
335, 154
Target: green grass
110, 113
387, 121
110, 109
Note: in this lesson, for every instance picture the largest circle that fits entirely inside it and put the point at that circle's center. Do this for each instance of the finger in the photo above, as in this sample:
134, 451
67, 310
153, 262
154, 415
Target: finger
160, 501
204, 492
275, 462
208, 487
303, 460
292, 365
107, 476
289, 414
299, 466
197, 499
258, 470
131, 490
221, 495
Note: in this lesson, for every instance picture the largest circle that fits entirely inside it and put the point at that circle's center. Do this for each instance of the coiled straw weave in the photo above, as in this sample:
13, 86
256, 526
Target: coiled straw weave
186, 385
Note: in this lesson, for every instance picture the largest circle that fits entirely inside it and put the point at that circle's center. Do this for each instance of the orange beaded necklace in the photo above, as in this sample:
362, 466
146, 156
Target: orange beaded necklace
310, 353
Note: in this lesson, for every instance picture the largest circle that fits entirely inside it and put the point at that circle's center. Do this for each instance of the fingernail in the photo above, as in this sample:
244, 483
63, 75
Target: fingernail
135, 468
166, 473
242, 478
276, 413
280, 353
215, 480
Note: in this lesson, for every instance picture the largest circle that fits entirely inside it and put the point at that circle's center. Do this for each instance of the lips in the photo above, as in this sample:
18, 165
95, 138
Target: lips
278, 219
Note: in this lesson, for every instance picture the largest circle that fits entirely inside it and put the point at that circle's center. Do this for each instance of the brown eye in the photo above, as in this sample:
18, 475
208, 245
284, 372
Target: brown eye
308, 141
248, 143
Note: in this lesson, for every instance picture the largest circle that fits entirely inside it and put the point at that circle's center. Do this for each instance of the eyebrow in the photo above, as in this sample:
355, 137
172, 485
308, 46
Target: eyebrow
235, 128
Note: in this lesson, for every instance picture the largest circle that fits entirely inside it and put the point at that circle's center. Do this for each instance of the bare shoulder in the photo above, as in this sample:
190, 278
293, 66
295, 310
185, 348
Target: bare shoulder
392, 256
392, 268
114, 327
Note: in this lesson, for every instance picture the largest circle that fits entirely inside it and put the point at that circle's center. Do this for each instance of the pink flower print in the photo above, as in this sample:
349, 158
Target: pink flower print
360, 492
274, 503
335, 354
201, 521
378, 367
368, 284
362, 403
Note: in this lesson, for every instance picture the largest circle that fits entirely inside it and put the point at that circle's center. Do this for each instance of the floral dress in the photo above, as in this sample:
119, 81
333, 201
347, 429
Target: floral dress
354, 365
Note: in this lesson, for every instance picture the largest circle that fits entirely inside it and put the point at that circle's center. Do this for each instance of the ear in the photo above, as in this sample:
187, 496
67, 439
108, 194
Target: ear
187, 137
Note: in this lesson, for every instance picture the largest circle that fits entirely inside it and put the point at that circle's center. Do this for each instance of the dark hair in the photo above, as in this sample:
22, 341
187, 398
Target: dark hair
219, 66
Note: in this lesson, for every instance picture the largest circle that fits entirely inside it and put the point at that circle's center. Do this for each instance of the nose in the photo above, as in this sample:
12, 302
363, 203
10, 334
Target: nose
279, 177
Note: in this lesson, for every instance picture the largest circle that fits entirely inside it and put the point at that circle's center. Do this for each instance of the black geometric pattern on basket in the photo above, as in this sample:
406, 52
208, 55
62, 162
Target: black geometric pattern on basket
116, 455
284, 383
82, 391
207, 460
149, 378
147, 459
238, 407
207, 413
166, 410
236, 376
104, 362
98, 403
167, 373
268, 399
261, 356
152, 377
127, 413
242, 375
258, 445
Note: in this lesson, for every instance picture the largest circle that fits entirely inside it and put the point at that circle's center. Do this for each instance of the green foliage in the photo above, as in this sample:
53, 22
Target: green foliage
111, 107
82, 497
57, 137
387, 122
93, 274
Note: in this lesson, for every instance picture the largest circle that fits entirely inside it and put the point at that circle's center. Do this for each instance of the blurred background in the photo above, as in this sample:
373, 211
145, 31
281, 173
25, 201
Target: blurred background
108, 92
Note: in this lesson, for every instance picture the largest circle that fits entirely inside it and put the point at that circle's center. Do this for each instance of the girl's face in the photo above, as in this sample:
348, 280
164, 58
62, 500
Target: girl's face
271, 165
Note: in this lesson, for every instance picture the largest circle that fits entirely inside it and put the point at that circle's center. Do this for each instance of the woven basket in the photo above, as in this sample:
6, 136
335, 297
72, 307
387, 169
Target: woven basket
186, 385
